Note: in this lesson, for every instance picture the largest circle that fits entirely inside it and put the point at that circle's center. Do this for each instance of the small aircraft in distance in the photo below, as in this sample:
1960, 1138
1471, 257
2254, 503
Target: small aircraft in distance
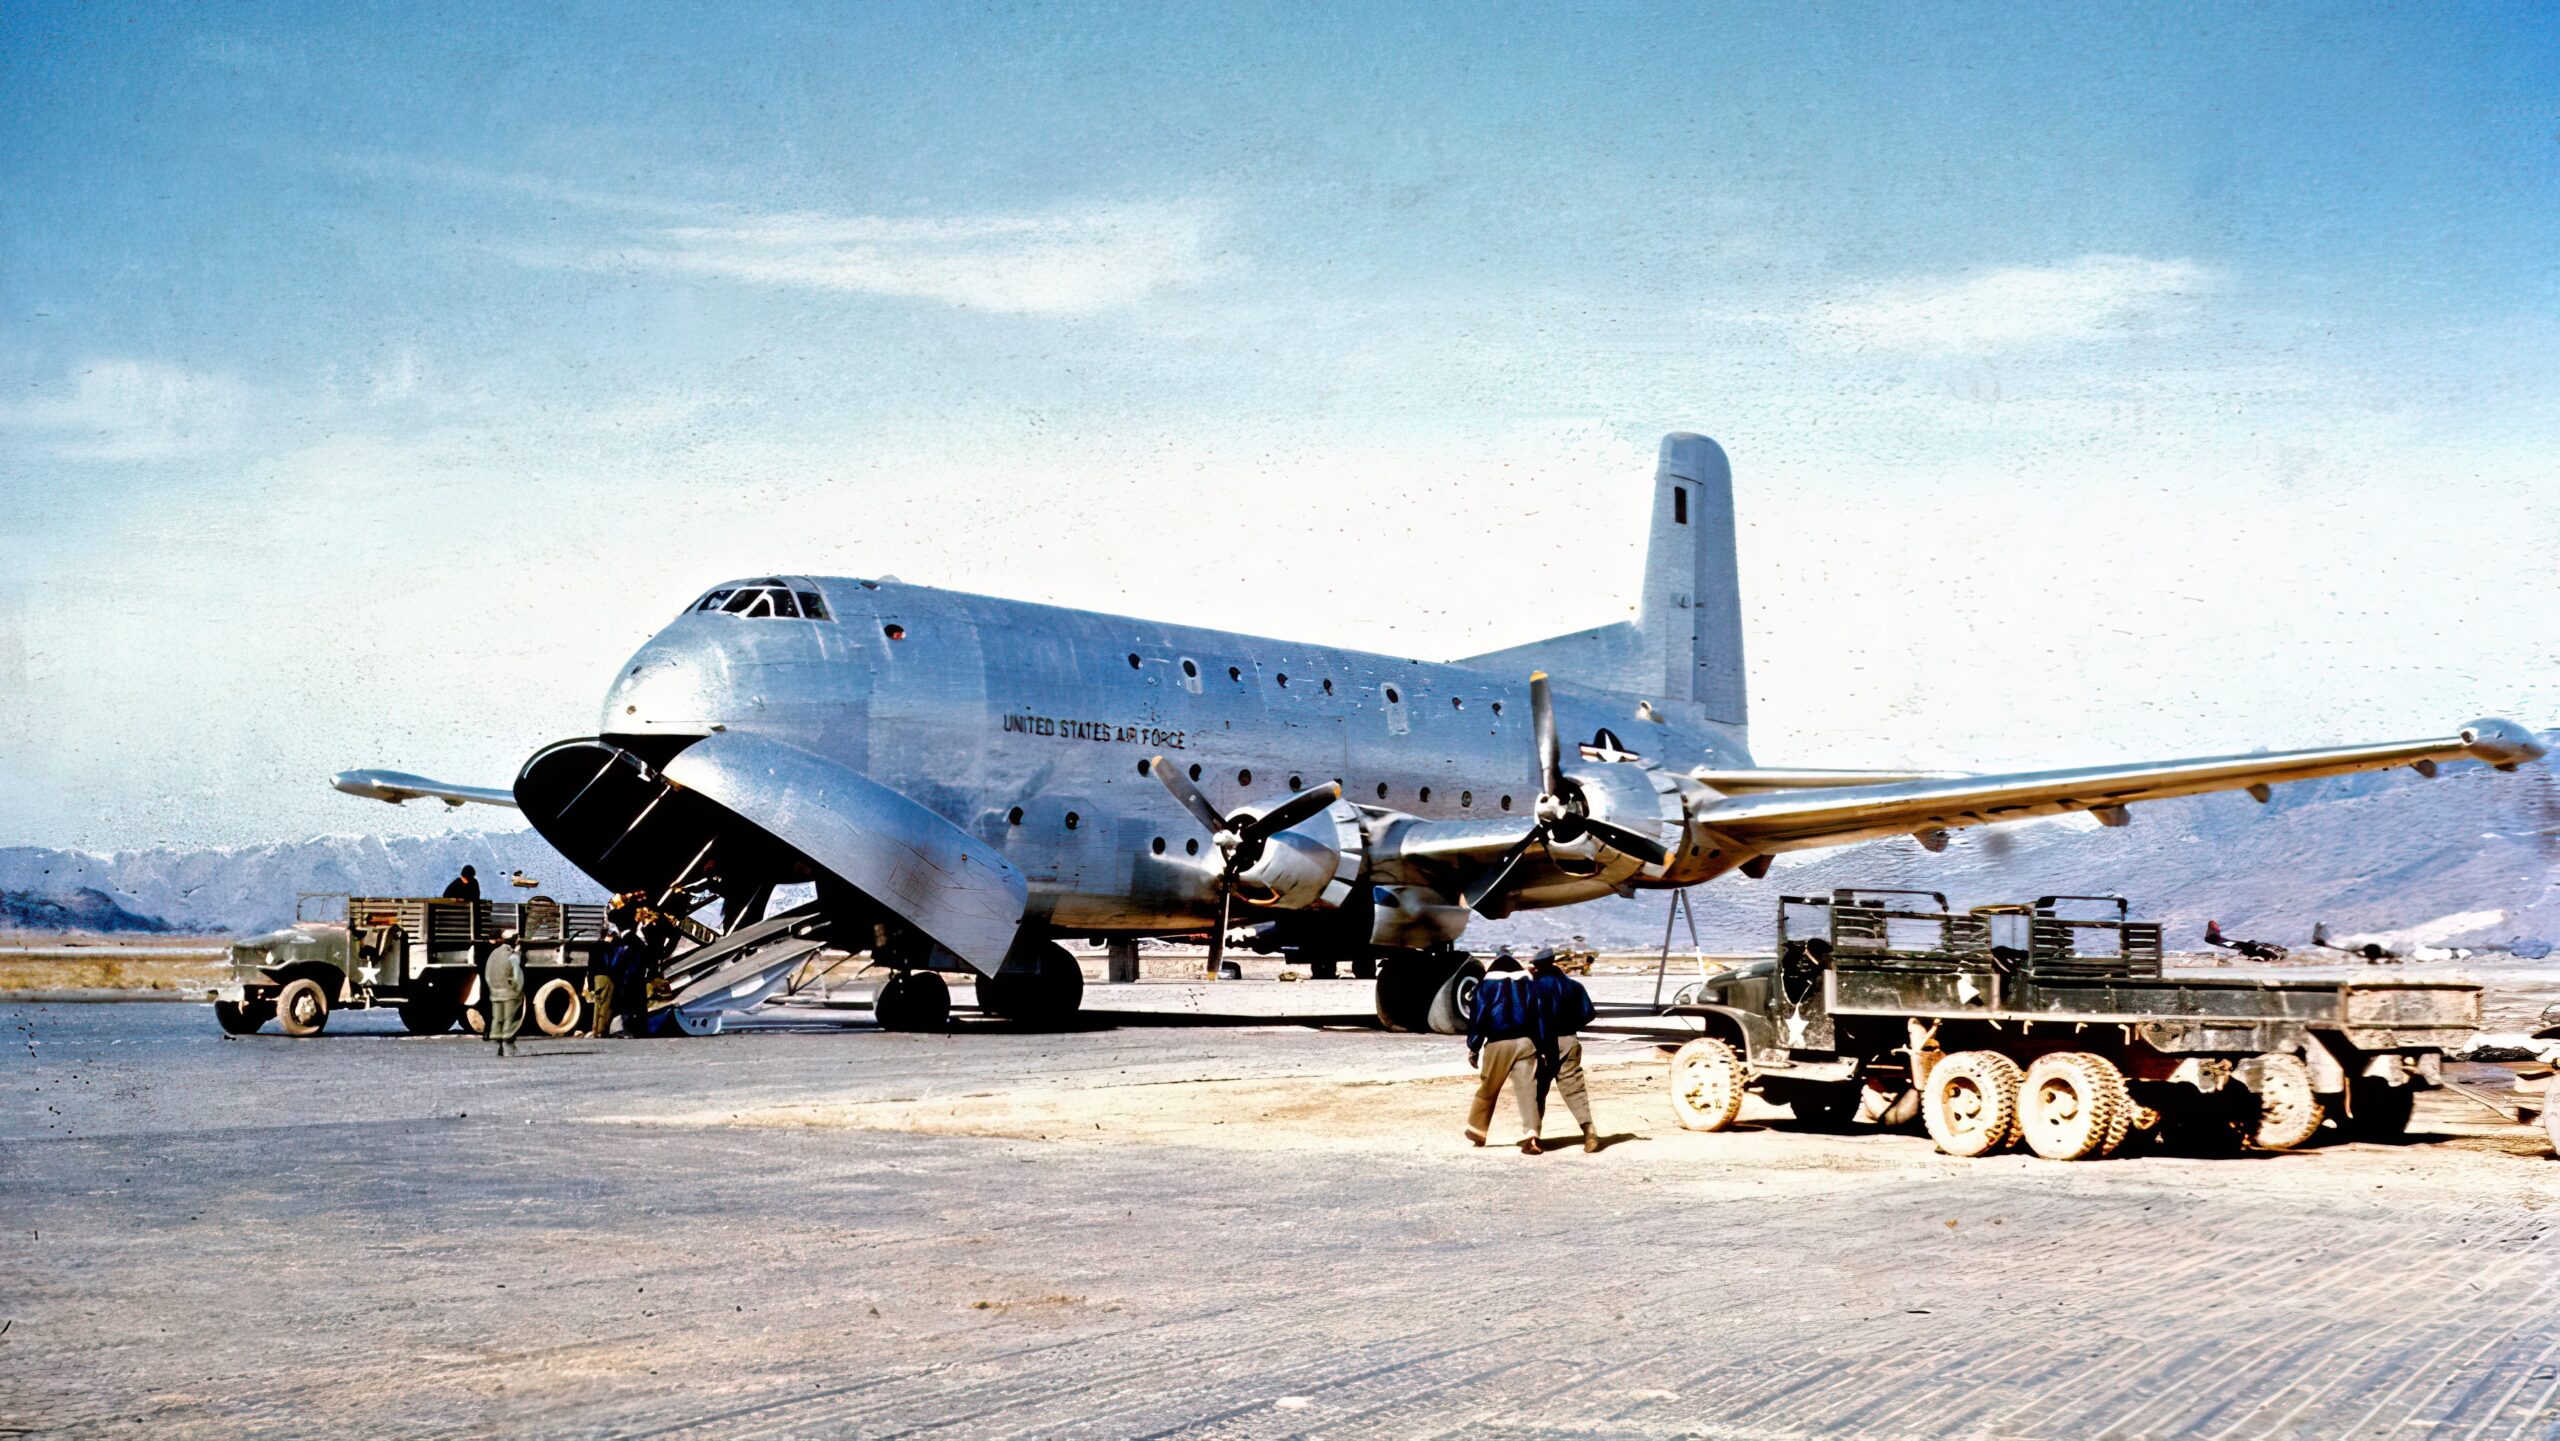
967, 781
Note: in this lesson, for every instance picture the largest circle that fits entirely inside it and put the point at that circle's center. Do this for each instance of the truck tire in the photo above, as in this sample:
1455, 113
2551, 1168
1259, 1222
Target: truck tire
1707, 1082
1819, 1105
2378, 1111
2074, 1107
302, 1007
557, 1009
242, 1018
429, 1017
2289, 1111
1971, 1103
1453, 1006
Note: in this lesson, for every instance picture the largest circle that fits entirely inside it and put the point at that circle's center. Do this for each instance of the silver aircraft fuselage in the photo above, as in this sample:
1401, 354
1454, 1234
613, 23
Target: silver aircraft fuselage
1026, 726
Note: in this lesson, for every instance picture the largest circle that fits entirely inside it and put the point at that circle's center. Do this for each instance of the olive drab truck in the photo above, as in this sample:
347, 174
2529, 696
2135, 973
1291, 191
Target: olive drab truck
2051, 1024
419, 955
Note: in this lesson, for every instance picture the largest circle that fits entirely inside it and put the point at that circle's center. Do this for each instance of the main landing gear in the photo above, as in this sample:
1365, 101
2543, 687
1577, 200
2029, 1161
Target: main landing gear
1431, 991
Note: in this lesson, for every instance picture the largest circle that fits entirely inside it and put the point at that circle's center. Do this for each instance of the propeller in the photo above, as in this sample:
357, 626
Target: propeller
1564, 813
1240, 837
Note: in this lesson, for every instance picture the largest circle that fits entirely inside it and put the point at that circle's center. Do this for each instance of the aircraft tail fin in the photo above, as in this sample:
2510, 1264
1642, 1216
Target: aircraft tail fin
1685, 643
1691, 613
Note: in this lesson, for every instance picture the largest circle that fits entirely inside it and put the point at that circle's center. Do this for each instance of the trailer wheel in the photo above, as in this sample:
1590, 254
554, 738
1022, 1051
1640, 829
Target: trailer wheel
557, 1007
302, 1008
1707, 1082
1971, 1103
2074, 1106
242, 1018
2289, 1111
2379, 1111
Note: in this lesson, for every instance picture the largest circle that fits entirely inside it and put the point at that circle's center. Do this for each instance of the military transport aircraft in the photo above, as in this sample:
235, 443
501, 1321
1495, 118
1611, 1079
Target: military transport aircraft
965, 781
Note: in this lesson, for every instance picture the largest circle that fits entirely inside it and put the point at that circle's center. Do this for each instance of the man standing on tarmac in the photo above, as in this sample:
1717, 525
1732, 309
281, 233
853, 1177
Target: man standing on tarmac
464, 887
1502, 1046
1559, 1008
502, 981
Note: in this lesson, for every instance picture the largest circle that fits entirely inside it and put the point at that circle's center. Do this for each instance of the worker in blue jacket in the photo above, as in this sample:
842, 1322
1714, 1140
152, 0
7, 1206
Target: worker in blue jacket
1558, 1010
1503, 1044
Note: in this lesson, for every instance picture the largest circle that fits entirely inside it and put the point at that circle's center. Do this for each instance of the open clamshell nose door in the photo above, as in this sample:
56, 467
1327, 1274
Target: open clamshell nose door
732, 794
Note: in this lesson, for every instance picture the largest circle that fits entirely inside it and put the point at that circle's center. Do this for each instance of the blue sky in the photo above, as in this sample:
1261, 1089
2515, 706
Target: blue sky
2098, 384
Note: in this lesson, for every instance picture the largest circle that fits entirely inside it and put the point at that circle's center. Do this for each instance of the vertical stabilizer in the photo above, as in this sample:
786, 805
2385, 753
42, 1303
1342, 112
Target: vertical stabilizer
1691, 614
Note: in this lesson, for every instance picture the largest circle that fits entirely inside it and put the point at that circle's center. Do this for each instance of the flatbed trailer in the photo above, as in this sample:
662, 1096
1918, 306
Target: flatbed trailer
2039, 1023
418, 954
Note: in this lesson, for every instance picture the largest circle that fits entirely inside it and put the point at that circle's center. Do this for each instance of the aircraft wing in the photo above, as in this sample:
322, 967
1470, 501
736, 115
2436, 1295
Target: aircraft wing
1838, 815
399, 786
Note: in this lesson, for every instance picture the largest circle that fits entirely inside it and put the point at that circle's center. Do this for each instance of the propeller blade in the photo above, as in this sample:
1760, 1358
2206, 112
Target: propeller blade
1209, 816
1619, 838
1542, 709
1291, 811
1497, 876
1218, 937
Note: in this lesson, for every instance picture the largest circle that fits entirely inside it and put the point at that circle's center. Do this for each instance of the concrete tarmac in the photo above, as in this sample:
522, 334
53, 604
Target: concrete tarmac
807, 1227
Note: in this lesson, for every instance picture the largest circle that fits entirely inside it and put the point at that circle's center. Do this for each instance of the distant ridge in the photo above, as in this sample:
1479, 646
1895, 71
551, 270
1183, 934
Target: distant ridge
85, 909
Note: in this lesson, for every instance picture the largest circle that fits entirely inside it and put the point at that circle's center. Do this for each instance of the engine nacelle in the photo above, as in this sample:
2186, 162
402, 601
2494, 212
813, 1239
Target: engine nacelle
1293, 871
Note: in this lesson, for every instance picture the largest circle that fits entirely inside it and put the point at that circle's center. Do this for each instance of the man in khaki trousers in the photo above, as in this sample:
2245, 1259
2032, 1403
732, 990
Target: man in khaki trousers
1502, 1048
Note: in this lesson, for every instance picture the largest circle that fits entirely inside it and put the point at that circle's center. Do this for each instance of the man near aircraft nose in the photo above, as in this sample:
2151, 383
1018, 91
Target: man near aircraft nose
502, 979
1502, 1046
1560, 1008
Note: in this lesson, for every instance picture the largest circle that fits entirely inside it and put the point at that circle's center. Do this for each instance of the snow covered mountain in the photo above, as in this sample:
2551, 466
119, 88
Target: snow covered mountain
2471, 858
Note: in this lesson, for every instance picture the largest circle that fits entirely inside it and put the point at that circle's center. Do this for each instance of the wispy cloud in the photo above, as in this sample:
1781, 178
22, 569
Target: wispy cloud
131, 410
1049, 262
2094, 297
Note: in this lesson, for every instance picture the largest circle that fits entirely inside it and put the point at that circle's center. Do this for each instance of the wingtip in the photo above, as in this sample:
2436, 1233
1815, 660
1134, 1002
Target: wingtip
2501, 743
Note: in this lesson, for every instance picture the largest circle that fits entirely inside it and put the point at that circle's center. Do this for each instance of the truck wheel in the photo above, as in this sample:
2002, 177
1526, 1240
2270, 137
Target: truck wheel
428, 1018
2379, 1111
558, 1009
242, 1018
302, 1008
1822, 1105
1971, 1103
1707, 1081
1453, 1007
2074, 1106
2289, 1111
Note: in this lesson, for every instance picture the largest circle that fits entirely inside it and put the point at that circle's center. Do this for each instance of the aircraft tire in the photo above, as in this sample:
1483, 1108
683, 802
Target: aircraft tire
1453, 1006
242, 1018
890, 1004
1046, 993
302, 1007
1407, 985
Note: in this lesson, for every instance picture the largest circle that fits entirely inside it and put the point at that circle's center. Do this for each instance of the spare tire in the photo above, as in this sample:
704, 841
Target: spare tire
556, 1007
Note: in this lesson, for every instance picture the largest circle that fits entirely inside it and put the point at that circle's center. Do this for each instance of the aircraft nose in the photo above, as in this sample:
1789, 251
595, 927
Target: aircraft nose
670, 686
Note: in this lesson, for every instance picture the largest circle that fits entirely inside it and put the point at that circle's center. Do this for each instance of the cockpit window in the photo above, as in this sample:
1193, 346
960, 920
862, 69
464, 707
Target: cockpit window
766, 599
